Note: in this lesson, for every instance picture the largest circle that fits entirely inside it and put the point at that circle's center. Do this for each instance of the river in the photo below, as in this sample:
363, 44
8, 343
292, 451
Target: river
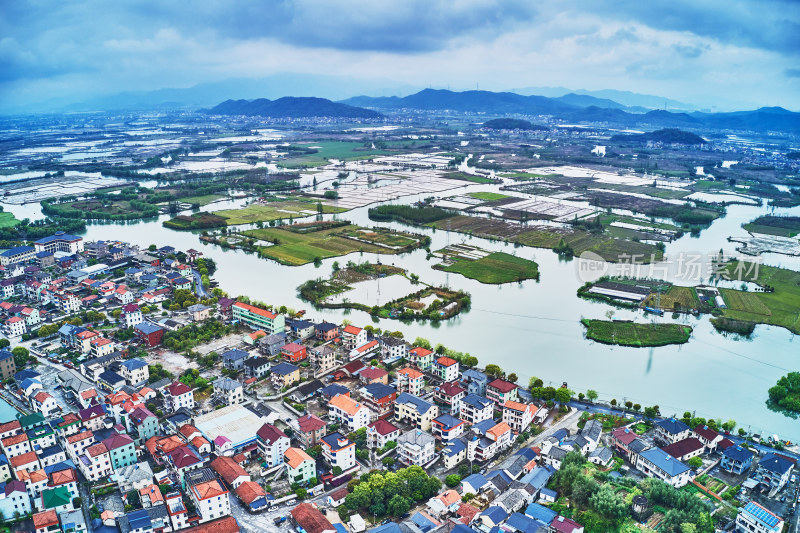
532, 328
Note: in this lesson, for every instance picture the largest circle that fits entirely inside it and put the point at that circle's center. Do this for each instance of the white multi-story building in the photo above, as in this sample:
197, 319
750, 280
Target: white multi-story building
178, 395
519, 416
353, 337
753, 518
410, 380
446, 368
210, 500
135, 371
351, 414
60, 242
339, 451
97, 463
658, 464
415, 447
15, 327
272, 443
473, 409
229, 391
131, 315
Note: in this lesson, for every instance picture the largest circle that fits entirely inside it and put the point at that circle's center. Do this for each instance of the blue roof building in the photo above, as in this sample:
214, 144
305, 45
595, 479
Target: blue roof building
475, 381
753, 517
234, 359
493, 516
657, 463
473, 484
736, 459
541, 513
773, 471
523, 523
283, 369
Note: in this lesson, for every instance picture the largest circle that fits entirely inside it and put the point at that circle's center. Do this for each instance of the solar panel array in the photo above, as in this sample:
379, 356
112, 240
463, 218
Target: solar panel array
762, 514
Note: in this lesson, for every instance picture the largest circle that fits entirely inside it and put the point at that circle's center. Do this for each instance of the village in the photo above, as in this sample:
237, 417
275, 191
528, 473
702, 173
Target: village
144, 399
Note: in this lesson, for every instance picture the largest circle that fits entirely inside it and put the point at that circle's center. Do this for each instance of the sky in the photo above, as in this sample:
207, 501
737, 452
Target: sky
721, 53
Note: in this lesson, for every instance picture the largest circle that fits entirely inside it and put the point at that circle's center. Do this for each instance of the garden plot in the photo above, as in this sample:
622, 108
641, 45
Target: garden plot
556, 211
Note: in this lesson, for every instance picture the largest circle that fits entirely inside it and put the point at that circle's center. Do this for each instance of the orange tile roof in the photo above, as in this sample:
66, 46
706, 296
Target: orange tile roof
411, 373
221, 525
14, 439
249, 491
23, 459
446, 361
351, 330
499, 430
229, 469
255, 310
9, 426
420, 352
97, 449
449, 497
45, 519
79, 437
346, 404
62, 477
209, 489
296, 457
153, 492
518, 406
198, 442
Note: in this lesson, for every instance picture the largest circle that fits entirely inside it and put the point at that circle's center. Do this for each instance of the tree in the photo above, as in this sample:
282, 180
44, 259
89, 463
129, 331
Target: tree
452, 480
695, 462
614, 402
398, 505
512, 378
582, 489
563, 395
592, 395
494, 371
422, 343
337, 470
629, 404
21, 356
535, 382
77, 503
4, 343
607, 502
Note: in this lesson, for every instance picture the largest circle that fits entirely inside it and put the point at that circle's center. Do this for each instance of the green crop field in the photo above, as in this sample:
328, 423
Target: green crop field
684, 297
474, 178
744, 301
781, 226
489, 196
638, 335
8, 220
782, 303
495, 268
202, 200
294, 248
253, 213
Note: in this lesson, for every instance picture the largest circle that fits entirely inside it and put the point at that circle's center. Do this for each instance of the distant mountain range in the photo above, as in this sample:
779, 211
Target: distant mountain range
580, 108
292, 107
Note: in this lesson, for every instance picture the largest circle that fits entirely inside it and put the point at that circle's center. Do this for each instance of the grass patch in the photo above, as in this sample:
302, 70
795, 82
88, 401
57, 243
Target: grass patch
203, 200
781, 298
774, 225
633, 334
489, 196
295, 248
731, 325
496, 268
675, 299
8, 220
195, 221
282, 209
468, 177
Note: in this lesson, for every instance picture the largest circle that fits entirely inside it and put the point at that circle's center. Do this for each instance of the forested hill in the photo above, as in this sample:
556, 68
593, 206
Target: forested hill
666, 135
292, 107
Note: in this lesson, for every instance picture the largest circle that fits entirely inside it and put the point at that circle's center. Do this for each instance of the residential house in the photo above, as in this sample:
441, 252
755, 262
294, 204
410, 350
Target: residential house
228, 391
379, 398
43, 402
309, 519
410, 380
131, 316
475, 381
294, 353
256, 367
447, 427
7, 366
658, 464
210, 500
565, 525
490, 439
422, 358
519, 416
446, 368
473, 409
149, 334
708, 437
178, 395
300, 467
284, 375
322, 359
500, 391
339, 451
454, 452
773, 471
449, 394
685, 449
380, 432
325, 331
415, 411
234, 359
230, 471
121, 450
135, 371
670, 430
272, 443
755, 518
271, 344
199, 312
736, 459
95, 463
392, 348
252, 495
14, 500
353, 337
364, 350
311, 428
348, 412
46, 522
142, 423
373, 374
415, 447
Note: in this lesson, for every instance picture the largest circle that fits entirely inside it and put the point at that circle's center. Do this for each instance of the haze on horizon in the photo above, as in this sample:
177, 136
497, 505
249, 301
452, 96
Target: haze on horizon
718, 54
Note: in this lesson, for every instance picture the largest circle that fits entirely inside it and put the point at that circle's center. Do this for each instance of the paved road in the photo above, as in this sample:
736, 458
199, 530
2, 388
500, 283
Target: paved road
199, 289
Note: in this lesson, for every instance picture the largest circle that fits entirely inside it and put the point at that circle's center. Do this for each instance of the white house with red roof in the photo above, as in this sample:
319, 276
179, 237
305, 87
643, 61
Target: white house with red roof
43, 402
365, 349
708, 437
210, 500
519, 416
131, 315
446, 368
15, 327
421, 358
178, 395
380, 432
353, 336
500, 391
450, 393
410, 380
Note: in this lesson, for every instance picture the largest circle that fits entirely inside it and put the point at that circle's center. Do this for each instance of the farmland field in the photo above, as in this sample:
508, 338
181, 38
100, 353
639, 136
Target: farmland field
202, 200
295, 248
781, 226
744, 301
258, 212
7, 220
495, 268
489, 196
675, 298
633, 334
